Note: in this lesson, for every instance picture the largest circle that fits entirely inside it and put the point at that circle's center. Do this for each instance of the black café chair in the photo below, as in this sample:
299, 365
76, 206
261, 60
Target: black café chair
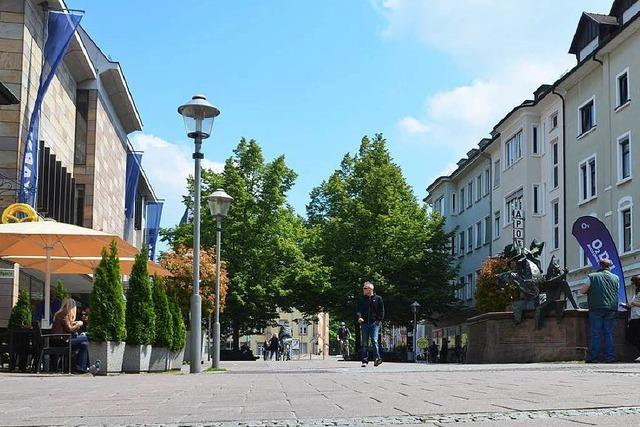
53, 345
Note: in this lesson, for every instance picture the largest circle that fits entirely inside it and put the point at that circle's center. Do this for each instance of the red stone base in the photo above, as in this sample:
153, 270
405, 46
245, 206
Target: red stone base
494, 338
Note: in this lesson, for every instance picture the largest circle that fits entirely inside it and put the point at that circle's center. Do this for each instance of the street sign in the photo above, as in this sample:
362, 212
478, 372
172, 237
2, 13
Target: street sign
518, 223
422, 343
518, 233
6, 273
295, 344
517, 219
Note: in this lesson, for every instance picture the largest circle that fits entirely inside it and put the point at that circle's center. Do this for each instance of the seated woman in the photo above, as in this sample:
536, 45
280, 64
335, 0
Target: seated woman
64, 323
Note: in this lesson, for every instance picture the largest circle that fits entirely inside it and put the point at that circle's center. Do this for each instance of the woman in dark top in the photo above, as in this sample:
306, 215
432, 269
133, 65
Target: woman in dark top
64, 322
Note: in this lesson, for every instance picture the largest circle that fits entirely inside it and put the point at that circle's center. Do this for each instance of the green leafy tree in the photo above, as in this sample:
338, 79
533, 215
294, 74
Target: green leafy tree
141, 316
107, 299
21, 312
265, 244
368, 225
178, 325
164, 320
491, 295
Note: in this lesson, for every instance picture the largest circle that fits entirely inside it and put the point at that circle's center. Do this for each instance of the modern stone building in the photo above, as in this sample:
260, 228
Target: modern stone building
87, 114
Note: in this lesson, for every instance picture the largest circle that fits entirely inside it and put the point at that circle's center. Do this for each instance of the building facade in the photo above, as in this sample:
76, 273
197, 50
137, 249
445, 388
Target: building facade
464, 199
566, 153
87, 114
310, 335
601, 124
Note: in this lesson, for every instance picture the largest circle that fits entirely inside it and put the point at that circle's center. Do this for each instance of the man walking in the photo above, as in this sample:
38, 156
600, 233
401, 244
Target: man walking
602, 296
370, 316
344, 335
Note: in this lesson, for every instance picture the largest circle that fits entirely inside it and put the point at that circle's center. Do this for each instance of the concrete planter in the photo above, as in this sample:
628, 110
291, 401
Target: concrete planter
110, 354
136, 358
159, 361
175, 359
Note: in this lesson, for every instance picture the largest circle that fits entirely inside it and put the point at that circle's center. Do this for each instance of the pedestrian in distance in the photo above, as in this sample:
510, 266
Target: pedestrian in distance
274, 347
370, 316
602, 298
433, 352
633, 327
343, 336
444, 350
265, 351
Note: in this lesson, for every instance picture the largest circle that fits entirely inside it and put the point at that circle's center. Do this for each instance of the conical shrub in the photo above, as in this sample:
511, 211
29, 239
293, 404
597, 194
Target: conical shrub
164, 321
179, 328
141, 316
107, 322
21, 312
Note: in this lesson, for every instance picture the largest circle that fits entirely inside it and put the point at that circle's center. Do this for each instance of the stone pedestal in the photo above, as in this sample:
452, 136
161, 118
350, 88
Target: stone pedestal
494, 338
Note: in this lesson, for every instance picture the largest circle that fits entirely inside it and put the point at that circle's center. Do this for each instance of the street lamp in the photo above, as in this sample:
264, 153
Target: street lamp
219, 202
414, 308
198, 115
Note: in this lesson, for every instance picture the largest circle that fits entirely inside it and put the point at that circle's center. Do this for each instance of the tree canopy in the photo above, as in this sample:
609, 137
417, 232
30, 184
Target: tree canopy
368, 225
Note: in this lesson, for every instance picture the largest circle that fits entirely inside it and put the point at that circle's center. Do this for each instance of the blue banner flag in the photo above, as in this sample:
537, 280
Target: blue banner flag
154, 213
132, 177
60, 29
185, 217
597, 244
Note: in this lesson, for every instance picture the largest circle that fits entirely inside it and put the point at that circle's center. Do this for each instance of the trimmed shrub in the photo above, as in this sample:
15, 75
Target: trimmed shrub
164, 322
179, 328
141, 317
61, 293
107, 321
21, 312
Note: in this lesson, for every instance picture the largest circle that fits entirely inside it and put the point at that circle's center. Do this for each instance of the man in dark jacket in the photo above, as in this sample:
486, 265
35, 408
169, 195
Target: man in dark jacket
602, 295
370, 316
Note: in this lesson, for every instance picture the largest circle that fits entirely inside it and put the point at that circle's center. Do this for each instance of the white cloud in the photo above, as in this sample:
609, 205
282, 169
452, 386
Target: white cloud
168, 166
508, 47
413, 126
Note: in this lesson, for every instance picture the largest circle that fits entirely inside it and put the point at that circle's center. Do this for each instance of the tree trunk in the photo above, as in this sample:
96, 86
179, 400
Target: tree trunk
236, 335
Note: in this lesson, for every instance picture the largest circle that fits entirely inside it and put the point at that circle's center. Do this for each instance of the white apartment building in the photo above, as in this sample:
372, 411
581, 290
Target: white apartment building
602, 109
464, 199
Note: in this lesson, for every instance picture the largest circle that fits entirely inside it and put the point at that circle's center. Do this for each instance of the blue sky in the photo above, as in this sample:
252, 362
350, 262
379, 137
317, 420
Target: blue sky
309, 79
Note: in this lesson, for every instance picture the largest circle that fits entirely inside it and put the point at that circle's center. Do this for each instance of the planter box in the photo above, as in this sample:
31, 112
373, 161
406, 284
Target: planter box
175, 359
159, 361
136, 358
110, 354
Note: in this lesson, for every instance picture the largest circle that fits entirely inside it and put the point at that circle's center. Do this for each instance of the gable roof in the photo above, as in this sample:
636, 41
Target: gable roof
587, 22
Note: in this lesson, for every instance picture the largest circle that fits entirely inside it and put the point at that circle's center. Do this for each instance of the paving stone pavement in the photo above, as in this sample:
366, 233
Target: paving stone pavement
332, 393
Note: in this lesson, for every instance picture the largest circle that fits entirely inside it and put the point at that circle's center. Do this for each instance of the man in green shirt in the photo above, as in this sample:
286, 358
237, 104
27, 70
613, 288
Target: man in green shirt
602, 296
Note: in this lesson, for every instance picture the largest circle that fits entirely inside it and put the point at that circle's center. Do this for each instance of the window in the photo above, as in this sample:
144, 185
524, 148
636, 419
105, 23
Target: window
624, 158
496, 173
625, 225
496, 225
513, 149
454, 249
469, 287
469, 194
461, 200
303, 325
511, 204
622, 85
469, 239
535, 145
587, 116
555, 167
438, 206
82, 118
79, 205
487, 181
487, 229
478, 234
461, 288
537, 196
587, 171
555, 218
453, 203
553, 121
478, 188
461, 243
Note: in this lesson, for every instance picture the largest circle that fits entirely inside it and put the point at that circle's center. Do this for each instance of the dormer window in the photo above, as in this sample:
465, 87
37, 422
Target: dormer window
592, 28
